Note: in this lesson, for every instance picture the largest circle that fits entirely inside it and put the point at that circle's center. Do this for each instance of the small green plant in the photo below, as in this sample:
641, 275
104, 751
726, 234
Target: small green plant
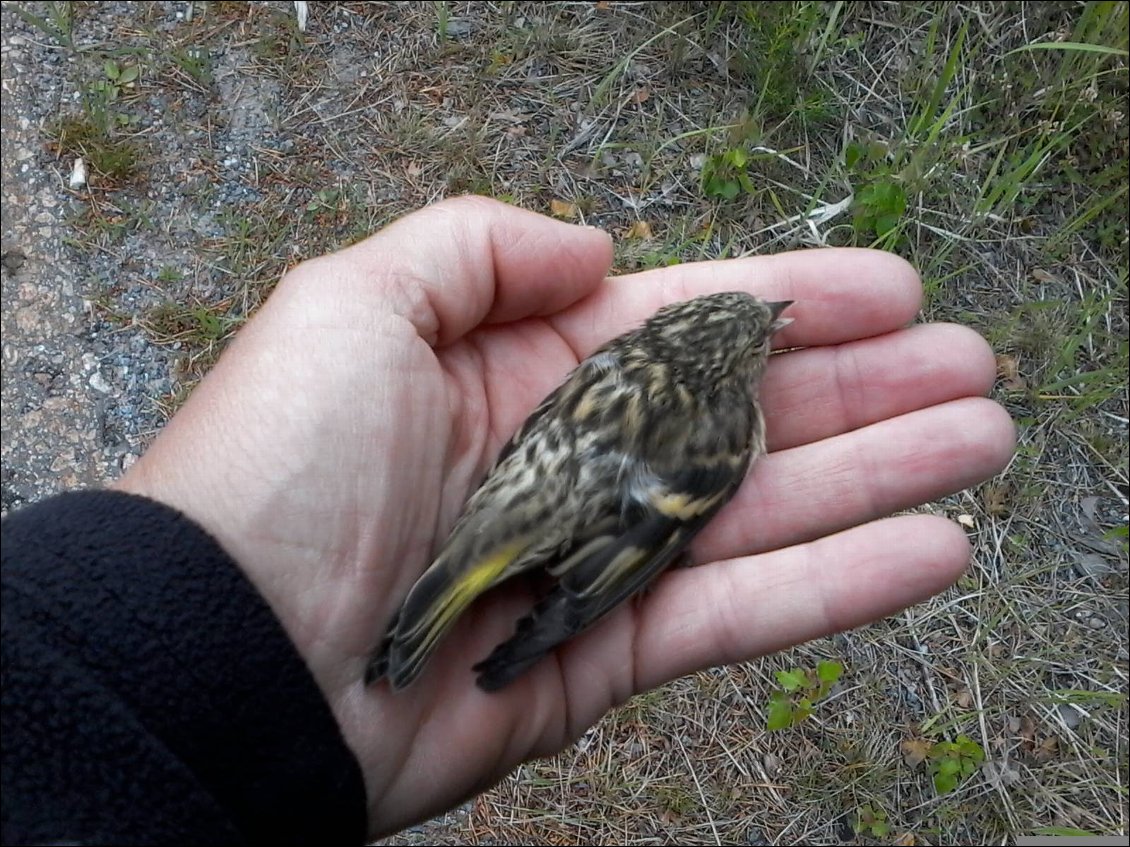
197, 325
340, 211
879, 206
952, 762
112, 157
195, 63
880, 199
801, 689
101, 95
782, 44
116, 77
724, 174
95, 134
1119, 535
168, 273
658, 259
674, 800
872, 820
443, 17
58, 23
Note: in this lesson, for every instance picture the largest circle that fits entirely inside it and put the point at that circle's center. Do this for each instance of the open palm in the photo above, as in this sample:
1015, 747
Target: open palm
334, 444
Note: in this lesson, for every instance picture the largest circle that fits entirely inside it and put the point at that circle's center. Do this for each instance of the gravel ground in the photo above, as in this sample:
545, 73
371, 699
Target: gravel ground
81, 394
55, 378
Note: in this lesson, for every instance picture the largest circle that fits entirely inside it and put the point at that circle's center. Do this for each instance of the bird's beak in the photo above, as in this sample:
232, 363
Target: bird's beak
775, 310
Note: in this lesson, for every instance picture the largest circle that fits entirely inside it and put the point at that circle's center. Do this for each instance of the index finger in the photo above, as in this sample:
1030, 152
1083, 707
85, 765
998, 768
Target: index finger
839, 294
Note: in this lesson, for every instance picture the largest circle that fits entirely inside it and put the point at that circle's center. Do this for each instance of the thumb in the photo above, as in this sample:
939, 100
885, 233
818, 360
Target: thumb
461, 262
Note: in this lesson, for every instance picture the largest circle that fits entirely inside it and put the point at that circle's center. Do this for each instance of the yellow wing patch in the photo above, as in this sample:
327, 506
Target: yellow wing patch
479, 578
682, 506
464, 591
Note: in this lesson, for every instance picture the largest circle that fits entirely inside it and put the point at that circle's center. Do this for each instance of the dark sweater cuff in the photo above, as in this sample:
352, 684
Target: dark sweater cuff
150, 695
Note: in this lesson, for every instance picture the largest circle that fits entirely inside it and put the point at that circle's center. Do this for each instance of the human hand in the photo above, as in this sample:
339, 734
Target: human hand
333, 445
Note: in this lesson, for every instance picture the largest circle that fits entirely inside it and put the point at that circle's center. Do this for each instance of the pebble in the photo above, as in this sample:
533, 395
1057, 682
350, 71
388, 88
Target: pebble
99, 383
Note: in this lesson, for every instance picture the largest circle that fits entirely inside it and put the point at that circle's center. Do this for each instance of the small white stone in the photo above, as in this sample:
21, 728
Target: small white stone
78, 173
98, 383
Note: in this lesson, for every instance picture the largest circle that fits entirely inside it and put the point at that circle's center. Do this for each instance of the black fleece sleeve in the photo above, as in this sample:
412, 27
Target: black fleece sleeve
150, 695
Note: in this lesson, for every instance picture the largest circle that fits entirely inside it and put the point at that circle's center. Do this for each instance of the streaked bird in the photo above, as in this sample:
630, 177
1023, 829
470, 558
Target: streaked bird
604, 485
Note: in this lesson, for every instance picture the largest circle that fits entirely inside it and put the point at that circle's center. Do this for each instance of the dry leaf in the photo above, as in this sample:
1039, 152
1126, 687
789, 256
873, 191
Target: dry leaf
1088, 505
563, 209
915, 750
771, 764
1008, 371
1093, 565
435, 93
1047, 749
640, 231
907, 840
996, 498
1070, 715
966, 521
1000, 774
1040, 275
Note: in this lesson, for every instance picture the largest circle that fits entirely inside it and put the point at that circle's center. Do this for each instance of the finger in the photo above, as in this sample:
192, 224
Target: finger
819, 392
465, 261
740, 609
840, 294
803, 493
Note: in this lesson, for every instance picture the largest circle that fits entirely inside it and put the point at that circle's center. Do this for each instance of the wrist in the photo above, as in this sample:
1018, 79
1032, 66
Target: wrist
187, 487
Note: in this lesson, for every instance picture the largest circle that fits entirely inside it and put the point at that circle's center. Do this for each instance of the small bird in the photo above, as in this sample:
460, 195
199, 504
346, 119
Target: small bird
603, 486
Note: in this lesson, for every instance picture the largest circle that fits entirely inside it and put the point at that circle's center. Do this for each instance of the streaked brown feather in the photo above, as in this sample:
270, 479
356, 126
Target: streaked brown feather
606, 483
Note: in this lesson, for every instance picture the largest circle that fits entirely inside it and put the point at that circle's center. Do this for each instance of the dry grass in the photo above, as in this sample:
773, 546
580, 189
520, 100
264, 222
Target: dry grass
926, 129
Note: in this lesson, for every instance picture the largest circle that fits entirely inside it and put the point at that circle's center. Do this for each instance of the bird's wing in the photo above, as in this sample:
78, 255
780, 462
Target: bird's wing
437, 599
611, 568
493, 541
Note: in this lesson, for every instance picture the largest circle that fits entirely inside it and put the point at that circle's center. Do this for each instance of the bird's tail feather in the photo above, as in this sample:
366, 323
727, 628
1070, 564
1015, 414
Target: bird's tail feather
434, 604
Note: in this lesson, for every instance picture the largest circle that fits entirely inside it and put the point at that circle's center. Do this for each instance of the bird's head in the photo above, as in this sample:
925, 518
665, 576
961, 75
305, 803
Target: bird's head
716, 336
